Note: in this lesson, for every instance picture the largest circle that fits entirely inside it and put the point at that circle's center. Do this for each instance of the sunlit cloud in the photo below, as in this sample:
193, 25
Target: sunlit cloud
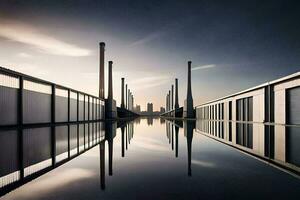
27, 34
204, 67
150, 82
24, 55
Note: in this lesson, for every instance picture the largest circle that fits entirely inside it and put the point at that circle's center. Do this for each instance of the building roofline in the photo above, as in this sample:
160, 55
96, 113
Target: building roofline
276, 81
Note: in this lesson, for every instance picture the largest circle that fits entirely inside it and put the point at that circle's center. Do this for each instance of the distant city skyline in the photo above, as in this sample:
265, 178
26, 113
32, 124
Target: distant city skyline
233, 45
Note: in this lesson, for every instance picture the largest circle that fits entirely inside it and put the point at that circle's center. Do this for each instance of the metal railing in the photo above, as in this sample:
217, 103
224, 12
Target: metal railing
43, 125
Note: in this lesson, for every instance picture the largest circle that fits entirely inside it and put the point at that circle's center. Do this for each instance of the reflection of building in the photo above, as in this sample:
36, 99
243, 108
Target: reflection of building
262, 120
149, 108
150, 121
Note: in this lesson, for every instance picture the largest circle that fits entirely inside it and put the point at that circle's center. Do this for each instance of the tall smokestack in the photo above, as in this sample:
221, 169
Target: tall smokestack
101, 70
126, 99
189, 86
110, 82
189, 98
169, 100
176, 94
122, 94
172, 97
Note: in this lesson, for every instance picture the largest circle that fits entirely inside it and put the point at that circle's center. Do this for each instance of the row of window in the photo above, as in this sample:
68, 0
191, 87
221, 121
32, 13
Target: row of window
244, 112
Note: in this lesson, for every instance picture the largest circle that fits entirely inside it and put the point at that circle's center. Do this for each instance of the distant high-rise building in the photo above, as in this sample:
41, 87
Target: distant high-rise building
150, 108
162, 110
137, 108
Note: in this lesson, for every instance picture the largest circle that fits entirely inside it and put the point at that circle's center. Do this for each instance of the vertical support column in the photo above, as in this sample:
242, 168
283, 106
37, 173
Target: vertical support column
176, 94
69, 123
53, 135
101, 70
122, 94
20, 128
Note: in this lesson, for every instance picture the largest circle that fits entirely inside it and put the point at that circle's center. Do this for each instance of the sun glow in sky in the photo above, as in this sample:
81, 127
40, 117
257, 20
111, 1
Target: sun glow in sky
233, 46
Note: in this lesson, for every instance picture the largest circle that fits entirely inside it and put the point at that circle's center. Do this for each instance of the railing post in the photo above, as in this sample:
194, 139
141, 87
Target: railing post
69, 124
20, 128
77, 120
83, 122
53, 136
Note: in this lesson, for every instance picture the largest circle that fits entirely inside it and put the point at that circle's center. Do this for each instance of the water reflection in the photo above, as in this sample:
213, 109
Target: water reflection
183, 165
127, 132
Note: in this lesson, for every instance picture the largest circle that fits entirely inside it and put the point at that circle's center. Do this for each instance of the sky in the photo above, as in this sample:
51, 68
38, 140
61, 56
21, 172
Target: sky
233, 45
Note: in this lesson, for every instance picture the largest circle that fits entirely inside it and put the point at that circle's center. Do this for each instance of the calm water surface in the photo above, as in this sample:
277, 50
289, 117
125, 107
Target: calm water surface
151, 159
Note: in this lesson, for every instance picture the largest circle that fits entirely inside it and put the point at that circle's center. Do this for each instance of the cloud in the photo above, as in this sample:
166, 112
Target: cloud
204, 67
149, 82
26, 34
24, 55
148, 38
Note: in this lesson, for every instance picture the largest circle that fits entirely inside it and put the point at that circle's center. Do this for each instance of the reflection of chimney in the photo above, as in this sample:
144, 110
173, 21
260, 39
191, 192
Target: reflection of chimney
122, 94
189, 128
176, 141
101, 70
126, 105
176, 94
110, 82
123, 135
110, 156
172, 132
102, 164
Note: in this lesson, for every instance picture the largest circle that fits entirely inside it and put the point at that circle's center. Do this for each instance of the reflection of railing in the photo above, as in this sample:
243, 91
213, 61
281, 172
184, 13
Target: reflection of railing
41, 124
253, 138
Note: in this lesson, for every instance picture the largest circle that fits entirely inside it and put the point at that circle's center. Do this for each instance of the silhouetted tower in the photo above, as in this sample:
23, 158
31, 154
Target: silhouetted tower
122, 93
176, 94
169, 100
110, 81
172, 97
101, 69
126, 106
189, 107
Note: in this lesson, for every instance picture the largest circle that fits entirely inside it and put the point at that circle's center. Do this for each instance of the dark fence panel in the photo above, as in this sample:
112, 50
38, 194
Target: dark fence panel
73, 136
61, 107
36, 145
8, 105
61, 136
36, 107
8, 152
